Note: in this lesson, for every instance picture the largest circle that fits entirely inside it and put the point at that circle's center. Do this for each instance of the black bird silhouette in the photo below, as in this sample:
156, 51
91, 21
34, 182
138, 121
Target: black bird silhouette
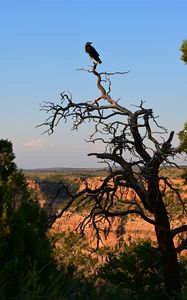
92, 52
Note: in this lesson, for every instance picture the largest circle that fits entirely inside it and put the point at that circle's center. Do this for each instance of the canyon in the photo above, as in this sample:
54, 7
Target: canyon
122, 231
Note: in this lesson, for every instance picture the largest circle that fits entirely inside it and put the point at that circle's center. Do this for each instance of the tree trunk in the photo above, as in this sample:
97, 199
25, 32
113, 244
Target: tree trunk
166, 246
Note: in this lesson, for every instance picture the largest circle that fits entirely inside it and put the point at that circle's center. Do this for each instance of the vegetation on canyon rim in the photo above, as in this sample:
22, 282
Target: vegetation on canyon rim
33, 268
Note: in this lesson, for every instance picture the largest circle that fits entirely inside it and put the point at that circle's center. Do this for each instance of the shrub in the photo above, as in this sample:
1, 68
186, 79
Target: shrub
137, 271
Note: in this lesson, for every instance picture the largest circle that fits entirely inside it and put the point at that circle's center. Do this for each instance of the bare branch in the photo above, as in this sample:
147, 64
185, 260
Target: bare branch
182, 246
178, 230
134, 154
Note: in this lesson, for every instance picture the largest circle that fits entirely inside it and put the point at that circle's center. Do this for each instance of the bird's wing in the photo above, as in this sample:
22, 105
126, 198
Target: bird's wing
93, 51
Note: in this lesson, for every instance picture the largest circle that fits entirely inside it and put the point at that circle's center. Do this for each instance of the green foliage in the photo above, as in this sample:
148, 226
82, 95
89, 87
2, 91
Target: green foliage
72, 250
184, 176
133, 274
183, 48
173, 205
30, 270
7, 166
136, 270
183, 138
183, 271
183, 142
23, 239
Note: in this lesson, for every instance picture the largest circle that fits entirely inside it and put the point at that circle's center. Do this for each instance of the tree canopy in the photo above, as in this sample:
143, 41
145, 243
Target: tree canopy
24, 246
183, 48
183, 138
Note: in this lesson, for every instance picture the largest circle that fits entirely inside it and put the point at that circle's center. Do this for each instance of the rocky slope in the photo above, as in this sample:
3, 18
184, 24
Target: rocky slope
123, 229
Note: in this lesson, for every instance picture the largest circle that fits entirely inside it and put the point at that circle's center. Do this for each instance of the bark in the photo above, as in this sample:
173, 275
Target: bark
164, 238
166, 246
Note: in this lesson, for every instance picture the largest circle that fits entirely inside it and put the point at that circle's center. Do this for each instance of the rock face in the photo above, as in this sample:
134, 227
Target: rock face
35, 189
122, 230
129, 193
56, 192
49, 194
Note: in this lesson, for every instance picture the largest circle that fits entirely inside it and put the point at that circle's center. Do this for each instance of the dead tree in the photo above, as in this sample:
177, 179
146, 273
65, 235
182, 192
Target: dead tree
135, 149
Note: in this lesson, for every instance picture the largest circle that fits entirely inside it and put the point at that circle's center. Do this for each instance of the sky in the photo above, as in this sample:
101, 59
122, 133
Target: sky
42, 45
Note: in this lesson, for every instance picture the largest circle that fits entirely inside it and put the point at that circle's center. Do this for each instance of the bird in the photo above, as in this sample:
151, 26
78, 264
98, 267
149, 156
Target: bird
92, 52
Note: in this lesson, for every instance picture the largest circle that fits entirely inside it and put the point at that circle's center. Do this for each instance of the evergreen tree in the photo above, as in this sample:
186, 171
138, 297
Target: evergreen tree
24, 245
183, 48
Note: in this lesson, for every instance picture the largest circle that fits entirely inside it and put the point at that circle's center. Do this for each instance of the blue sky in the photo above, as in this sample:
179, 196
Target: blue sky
42, 45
